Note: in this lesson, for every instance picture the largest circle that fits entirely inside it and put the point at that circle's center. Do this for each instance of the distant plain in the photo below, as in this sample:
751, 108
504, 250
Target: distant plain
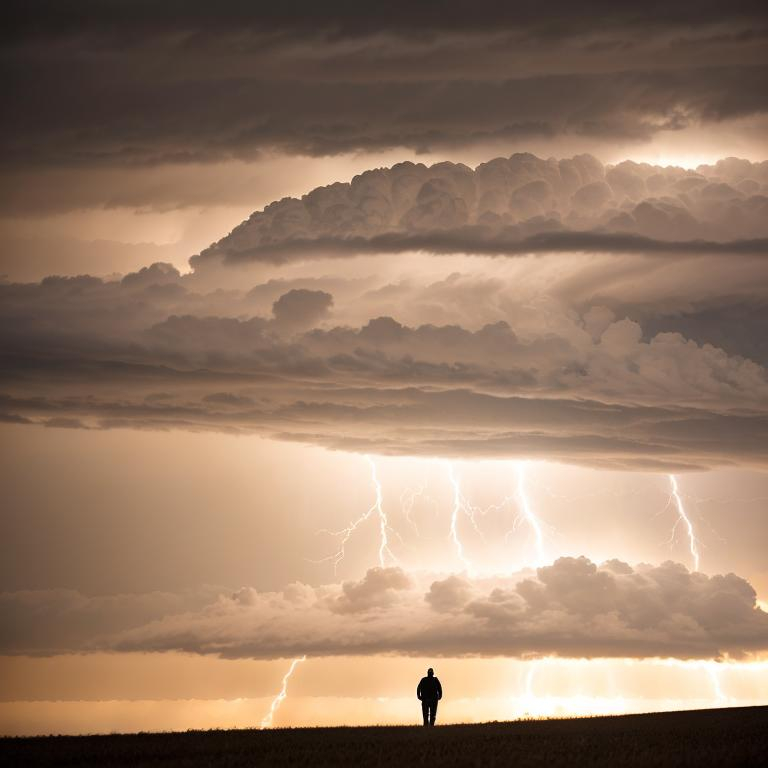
716, 737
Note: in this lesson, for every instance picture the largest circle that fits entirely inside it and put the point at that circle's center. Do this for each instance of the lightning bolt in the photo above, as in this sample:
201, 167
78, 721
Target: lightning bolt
529, 678
459, 505
407, 501
683, 517
376, 509
280, 698
462, 506
528, 513
383, 522
715, 678
528, 704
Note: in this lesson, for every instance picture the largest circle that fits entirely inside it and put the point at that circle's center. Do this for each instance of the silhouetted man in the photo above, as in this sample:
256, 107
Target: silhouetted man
429, 692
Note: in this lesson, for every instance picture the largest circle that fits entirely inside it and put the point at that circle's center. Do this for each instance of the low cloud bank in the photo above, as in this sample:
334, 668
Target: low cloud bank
572, 608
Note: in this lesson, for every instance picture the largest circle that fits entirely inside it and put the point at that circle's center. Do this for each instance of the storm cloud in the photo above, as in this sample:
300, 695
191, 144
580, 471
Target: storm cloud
123, 87
615, 379
184, 83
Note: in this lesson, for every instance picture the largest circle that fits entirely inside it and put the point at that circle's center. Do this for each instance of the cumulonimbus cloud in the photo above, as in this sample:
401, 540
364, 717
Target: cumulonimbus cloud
572, 608
516, 205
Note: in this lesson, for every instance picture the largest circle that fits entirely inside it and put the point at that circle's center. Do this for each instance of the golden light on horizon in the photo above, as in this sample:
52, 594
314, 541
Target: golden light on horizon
481, 690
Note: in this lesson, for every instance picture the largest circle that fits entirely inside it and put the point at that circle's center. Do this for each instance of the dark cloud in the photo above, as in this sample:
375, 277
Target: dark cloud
122, 84
62, 422
301, 307
572, 608
129, 106
142, 122
481, 241
13, 418
227, 398
730, 323
121, 18
589, 433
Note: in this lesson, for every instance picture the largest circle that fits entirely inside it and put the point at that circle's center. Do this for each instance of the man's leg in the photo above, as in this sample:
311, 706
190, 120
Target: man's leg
433, 712
425, 711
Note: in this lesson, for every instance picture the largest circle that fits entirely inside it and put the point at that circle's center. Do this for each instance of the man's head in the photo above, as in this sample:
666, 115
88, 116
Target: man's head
430, 672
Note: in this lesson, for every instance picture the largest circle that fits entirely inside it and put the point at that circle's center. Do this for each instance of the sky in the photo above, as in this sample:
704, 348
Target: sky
342, 341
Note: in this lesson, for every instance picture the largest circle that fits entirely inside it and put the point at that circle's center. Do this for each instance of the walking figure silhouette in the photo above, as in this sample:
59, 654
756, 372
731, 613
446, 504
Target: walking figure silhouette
429, 692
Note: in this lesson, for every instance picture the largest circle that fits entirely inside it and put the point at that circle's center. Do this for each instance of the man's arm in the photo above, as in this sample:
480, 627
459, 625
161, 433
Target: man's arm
439, 690
418, 691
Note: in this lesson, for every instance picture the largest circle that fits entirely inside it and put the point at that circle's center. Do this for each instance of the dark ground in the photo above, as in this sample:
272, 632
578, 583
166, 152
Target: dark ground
715, 737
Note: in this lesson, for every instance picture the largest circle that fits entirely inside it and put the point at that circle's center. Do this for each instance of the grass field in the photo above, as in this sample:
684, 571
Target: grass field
716, 737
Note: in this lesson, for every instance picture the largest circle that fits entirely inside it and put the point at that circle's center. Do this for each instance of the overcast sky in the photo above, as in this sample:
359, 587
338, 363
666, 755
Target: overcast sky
409, 333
